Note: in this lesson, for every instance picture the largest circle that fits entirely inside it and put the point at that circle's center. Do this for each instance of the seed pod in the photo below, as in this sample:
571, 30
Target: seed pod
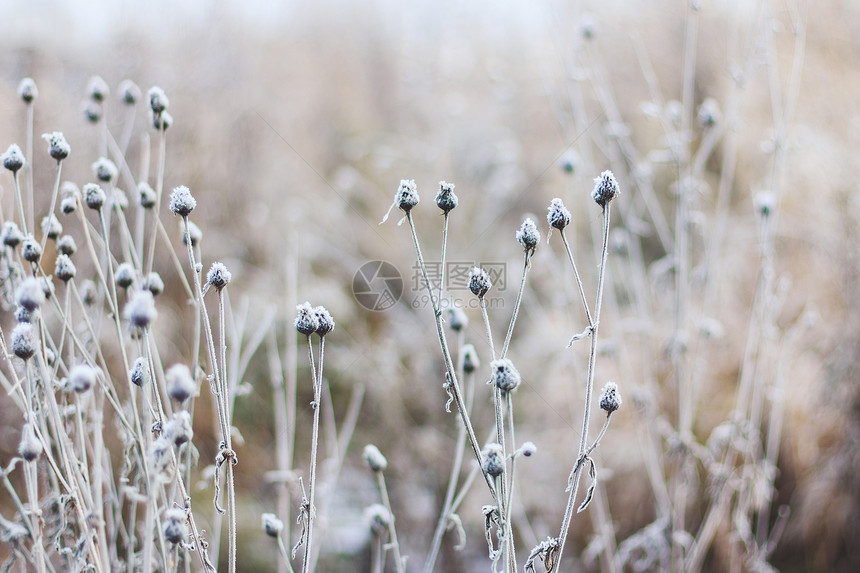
610, 397
445, 198
98, 89
124, 275
31, 250
374, 458
557, 216
325, 323
51, 226
272, 525
158, 101
104, 170
306, 320
29, 448
13, 159
11, 234
140, 310
147, 195
407, 195
218, 276
94, 196
493, 460
528, 235
174, 525
30, 294
457, 319
378, 518
191, 230
178, 429
129, 93
180, 384
23, 341
28, 91
479, 282
64, 268
139, 373
58, 147
153, 283
82, 378
469, 358
181, 201
504, 375
605, 188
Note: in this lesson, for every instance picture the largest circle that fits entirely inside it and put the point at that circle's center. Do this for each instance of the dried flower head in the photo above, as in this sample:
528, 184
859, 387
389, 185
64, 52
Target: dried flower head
51, 226
479, 281
174, 525
139, 373
181, 201
88, 292
610, 397
709, 113
140, 310
504, 375
158, 101
272, 525
104, 169
153, 283
11, 234
325, 323
180, 384
29, 294
528, 236
129, 93
71, 197
92, 111
306, 320
493, 460
457, 319
147, 195
161, 458
118, 199
98, 89
64, 268
23, 341
31, 250
81, 378
124, 275
405, 198
179, 429
378, 518
764, 202
469, 358
445, 198
29, 447
374, 458
605, 188
24, 315
558, 215
568, 161
161, 121
13, 158
94, 196
190, 229
27, 90
218, 276
66, 245
528, 449
58, 147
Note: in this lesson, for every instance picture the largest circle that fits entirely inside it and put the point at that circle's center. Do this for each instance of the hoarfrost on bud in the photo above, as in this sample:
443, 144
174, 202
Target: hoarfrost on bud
528, 235
94, 196
193, 231
272, 525
124, 275
29, 447
27, 90
64, 268
153, 283
29, 294
180, 384
764, 203
469, 358
23, 341
58, 147
378, 518
31, 250
81, 378
605, 188
557, 215
140, 310
493, 460
158, 101
181, 201
306, 320
129, 93
147, 195
11, 235
51, 226
139, 373
218, 276
709, 113
104, 169
374, 458
479, 281
528, 449
174, 525
179, 429
98, 89
325, 322
13, 158
405, 198
446, 199
504, 375
610, 397
457, 319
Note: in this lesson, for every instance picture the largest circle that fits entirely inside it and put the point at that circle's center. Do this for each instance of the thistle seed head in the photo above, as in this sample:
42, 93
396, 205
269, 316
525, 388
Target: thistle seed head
493, 460
82, 378
23, 341
31, 250
104, 170
272, 525
140, 310
218, 276
558, 215
13, 158
180, 384
605, 188
27, 90
64, 268
445, 198
374, 458
479, 281
504, 375
528, 236
610, 397
139, 373
29, 447
29, 294
325, 323
129, 93
181, 201
306, 320
94, 196
58, 147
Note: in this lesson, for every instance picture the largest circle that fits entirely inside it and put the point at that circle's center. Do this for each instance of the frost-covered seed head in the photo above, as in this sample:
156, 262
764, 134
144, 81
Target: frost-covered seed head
181, 201
445, 198
158, 101
605, 188
140, 310
147, 195
218, 275
709, 113
493, 460
31, 250
193, 231
66, 245
11, 234
407, 195
374, 458
325, 323
50, 357
569, 162
64, 268
764, 202
68, 205
457, 319
128, 91
470, 359
124, 275
27, 90
23, 341
528, 235
161, 459
82, 378
479, 281
139, 373
47, 286
504, 375
610, 397
13, 158
153, 283
174, 525
51, 226
92, 111
98, 89
94, 196
272, 525
118, 200
378, 518
58, 147
88, 292
306, 320
24, 315
104, 169
29, 447
557, 216
161, 121
587, 27
528, 449
180, 384
29, 294
179, 429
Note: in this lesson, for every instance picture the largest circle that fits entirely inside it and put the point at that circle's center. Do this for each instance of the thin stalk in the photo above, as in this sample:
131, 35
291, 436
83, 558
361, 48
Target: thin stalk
392, 531
509, 406
29, 166
485, 316
510, 333
20, 201
444, 251
578, 280
54, 194
306, 561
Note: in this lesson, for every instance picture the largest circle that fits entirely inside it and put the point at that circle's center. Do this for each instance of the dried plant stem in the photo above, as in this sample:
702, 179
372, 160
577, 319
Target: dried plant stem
159, 189
30, 189
392, 530
578, 279
312, 474
483, 302
444, 252
54, 194
526, 266
589, 389
19, 199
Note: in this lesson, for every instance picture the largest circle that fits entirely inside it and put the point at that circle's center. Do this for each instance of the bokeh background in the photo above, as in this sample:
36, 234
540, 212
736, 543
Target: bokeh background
294, 123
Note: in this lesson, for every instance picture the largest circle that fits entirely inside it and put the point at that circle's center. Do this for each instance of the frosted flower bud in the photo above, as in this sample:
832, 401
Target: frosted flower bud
50, 357
128, 91
51, 226
147, 195
469, 358
88, 292
24, 315
378, 518
11, 234
71, 198
558, 215
306, 320
161, 121
587, 27
610, 397
31, 250
82, 378
94, 196
27, 90
174, 525
181, 201
709, 113
569, 162
97, 89
140, 310
445, 198
139, 373
124, 275
66, 245
272, 525
605, 188
104, 169
118, 200
504, 375
58, 147
13, 158
153, 283
479, 281
457, 319
47, 284
29, 447
493, 460
29, 294
161, 459
92, 111
764, 202
374, 458
325, 323
64, 268
528, 449
528, 235
179, 429
23, 341
218, 276
193, 231
407, 195
158, 101
180, 384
